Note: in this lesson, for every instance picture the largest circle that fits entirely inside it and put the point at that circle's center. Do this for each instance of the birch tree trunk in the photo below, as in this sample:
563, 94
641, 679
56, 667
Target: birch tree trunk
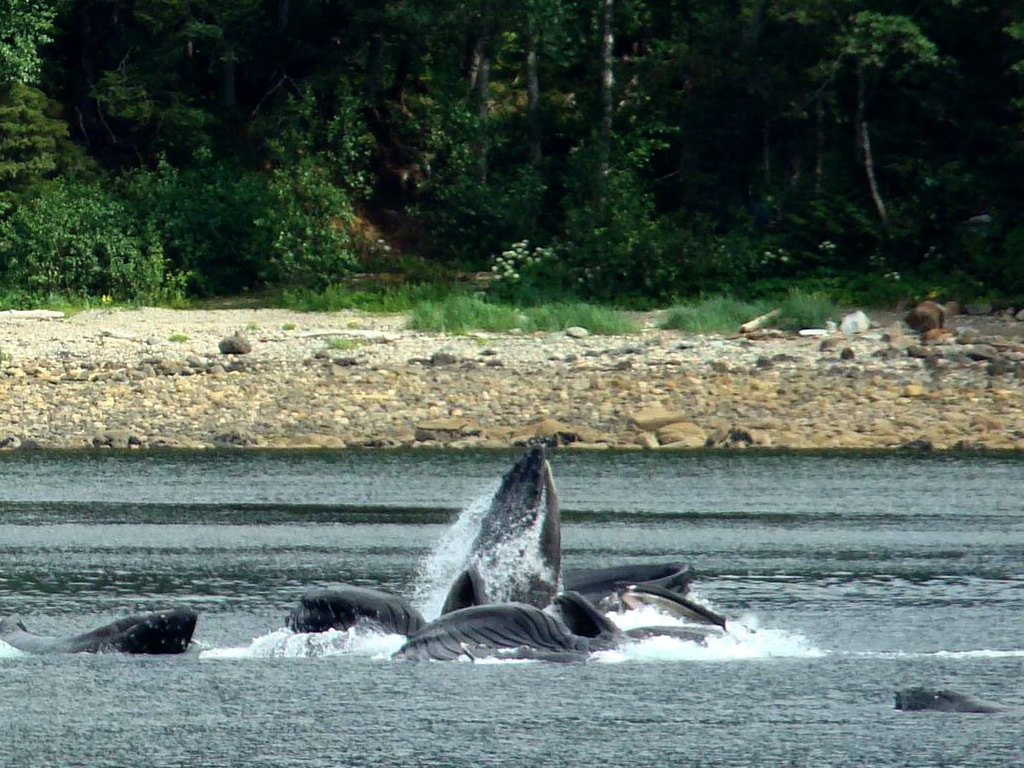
533, 96
864, 147
483, 86
604, 138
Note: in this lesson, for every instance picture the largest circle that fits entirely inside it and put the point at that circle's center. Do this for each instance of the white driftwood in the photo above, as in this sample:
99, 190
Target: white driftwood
759, 322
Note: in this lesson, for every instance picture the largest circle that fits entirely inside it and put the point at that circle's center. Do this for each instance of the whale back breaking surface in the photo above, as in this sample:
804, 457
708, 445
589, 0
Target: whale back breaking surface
937, 700
507, 630
345, 606
159, 633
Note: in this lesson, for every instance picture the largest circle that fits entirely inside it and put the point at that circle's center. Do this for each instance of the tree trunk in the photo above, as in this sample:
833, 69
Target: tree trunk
864, 147
533, 97
604, 138
374, 68
283, 11
227, 79
483, 86
819, 149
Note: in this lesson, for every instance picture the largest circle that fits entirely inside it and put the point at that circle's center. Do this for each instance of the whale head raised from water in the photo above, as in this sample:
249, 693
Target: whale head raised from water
517, 554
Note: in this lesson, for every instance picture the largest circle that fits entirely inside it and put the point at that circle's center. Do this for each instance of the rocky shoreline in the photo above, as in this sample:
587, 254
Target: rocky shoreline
154, 378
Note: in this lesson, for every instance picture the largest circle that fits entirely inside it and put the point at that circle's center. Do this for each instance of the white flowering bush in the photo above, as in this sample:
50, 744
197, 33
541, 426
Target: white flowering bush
523, 272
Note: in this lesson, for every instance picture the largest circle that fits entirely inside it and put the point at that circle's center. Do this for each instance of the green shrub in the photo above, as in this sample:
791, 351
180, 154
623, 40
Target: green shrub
77, 240
528, 275
559, 316
307, 225
460, 314
205, 218
34, 143
714, 314
802, 309
373, 298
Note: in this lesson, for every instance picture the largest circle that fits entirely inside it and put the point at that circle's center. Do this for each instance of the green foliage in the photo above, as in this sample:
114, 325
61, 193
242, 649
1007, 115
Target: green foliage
596, 319
527, 275
339, 343
803, 309
34, 142
201, 214
380, 298
470, 220
25, 25
613, 247
461, 314
737, 156
308, 227
712, 314
725, 314
76, 240
1001, 262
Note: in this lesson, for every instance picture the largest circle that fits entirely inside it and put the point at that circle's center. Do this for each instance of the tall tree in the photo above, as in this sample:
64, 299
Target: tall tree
25, 25
604, 137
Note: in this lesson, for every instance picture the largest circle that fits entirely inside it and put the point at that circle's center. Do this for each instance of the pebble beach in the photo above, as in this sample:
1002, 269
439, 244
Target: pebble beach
160, 378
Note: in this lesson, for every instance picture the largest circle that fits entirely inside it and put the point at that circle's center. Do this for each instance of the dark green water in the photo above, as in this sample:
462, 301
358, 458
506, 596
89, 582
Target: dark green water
849, 575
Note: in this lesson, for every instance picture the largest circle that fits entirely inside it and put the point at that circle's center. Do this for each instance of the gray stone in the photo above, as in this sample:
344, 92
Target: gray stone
234, 439
981, 352
235, 344
967, 335
576, 332
443, 358
998, 366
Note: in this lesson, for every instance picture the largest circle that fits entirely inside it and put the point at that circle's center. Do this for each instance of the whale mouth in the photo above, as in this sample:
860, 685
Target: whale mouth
639, 595
516, 555
526, 492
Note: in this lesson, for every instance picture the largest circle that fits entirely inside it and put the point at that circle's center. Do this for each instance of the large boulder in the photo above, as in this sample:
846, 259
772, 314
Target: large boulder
653, 419
552, 432
235, 344
926, 316
446, 429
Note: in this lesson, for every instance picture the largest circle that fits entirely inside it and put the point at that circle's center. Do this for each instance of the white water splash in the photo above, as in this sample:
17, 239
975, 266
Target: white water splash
283, 643
510, 566
507, 568
10, 652
450, 556
744, 639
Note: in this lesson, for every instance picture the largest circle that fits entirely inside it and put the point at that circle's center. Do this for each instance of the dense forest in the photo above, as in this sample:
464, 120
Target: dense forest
604, 149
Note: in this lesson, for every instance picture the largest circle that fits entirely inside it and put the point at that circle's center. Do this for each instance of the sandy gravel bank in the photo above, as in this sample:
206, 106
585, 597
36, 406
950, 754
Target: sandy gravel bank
155, 377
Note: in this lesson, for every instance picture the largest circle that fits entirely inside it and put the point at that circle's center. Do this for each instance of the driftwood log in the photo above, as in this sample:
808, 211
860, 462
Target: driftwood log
760, 321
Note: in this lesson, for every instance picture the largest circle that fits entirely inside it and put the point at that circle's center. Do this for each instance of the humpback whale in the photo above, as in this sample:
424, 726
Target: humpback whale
515, 569
604, 586
517, 553
670, 602
503, 630
162, 632
506, 602
345, 606
917, 699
